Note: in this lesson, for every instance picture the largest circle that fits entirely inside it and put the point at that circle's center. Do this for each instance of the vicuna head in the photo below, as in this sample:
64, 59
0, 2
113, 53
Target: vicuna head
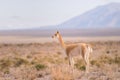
56, 35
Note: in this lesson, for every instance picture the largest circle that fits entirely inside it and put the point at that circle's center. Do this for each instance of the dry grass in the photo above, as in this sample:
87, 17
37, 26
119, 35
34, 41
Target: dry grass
44, 61
61, 73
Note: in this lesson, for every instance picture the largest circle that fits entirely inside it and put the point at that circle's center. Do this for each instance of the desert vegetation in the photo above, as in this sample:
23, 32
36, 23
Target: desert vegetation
45, 61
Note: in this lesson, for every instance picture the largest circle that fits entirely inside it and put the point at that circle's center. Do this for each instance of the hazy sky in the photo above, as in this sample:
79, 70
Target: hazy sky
34, 13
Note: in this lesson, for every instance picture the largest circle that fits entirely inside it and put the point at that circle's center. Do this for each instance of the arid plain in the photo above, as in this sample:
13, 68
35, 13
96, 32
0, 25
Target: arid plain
36, 58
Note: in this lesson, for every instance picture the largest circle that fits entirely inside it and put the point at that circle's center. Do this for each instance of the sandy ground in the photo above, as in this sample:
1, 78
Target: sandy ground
43, 59
20, 39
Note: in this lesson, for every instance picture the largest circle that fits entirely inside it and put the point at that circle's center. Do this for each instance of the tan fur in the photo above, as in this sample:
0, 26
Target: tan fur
82, 49
70, 48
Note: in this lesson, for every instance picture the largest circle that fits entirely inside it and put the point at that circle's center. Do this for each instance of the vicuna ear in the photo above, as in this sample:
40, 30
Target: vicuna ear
57, 31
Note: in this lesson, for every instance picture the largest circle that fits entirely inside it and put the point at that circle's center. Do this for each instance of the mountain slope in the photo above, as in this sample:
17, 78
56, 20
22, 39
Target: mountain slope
101, 21
102, 16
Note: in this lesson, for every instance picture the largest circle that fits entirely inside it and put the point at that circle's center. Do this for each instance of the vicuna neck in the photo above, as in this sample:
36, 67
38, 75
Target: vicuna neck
61, 41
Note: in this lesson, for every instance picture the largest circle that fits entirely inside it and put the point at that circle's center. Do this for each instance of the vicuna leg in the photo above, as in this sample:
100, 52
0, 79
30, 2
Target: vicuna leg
86, 59
71, 62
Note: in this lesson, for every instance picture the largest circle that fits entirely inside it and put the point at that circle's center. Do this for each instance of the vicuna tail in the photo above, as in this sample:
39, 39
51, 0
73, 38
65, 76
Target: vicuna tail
90, 49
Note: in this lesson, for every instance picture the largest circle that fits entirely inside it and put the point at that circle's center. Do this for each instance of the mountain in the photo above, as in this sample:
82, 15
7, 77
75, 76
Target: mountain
100, 17
101, 21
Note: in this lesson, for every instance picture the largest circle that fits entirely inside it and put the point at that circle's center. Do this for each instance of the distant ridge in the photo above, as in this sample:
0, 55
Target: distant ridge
100, 17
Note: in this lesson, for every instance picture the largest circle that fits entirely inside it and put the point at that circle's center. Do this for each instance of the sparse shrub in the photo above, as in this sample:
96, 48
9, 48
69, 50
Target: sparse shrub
110, 60
6, 71
95, 62
107, 52
29, 56
33, 62
23, 73
5, 64
61, 73
117, 60
80, 65
40, 66
105, 59
59, 53
49, 59
92, 78
20, 61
